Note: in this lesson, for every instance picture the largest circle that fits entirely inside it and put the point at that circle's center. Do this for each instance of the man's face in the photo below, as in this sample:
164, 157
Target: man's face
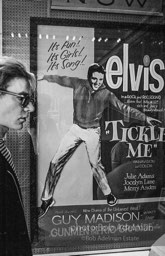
96, 80
12, 114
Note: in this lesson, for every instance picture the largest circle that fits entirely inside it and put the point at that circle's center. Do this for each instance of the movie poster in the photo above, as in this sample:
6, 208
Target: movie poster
127, 126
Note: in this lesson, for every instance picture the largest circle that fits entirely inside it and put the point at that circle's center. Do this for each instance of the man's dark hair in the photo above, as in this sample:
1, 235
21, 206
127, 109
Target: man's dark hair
95, 67
11, 68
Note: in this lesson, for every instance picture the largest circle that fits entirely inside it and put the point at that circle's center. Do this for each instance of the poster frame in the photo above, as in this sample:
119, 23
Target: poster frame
34, 23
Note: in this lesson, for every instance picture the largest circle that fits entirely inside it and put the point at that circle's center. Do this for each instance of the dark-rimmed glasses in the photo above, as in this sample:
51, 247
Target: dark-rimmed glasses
25, 98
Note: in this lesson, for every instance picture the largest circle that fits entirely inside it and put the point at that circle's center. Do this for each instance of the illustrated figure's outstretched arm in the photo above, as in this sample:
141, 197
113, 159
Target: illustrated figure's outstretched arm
65, 81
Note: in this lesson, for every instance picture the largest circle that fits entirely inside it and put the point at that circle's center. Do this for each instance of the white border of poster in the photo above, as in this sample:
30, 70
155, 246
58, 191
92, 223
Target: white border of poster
131, 123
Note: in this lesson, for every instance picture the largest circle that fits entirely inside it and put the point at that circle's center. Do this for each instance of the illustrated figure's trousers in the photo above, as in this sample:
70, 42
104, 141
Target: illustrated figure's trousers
72, 139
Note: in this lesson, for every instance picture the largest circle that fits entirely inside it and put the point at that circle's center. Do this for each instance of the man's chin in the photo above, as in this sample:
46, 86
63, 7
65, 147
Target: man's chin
96, 88
17, 126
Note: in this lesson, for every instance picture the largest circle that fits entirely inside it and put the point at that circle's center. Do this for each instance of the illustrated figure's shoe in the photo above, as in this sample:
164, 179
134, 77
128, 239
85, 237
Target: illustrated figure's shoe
46, 204
111, 200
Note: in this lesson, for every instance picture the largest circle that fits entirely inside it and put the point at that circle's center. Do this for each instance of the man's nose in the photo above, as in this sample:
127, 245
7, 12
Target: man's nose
29, 107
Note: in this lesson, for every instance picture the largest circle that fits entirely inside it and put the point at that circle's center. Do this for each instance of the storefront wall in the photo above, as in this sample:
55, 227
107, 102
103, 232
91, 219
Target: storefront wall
16, 32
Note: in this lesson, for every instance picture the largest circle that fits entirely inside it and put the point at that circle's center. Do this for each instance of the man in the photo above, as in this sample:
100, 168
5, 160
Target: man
90, 98
16, 90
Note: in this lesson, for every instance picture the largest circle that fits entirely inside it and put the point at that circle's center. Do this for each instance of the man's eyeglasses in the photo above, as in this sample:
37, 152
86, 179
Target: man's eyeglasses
24, 98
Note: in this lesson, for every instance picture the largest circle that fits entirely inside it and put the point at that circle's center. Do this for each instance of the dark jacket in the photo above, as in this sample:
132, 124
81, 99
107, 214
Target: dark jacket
14, 239
89, 105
